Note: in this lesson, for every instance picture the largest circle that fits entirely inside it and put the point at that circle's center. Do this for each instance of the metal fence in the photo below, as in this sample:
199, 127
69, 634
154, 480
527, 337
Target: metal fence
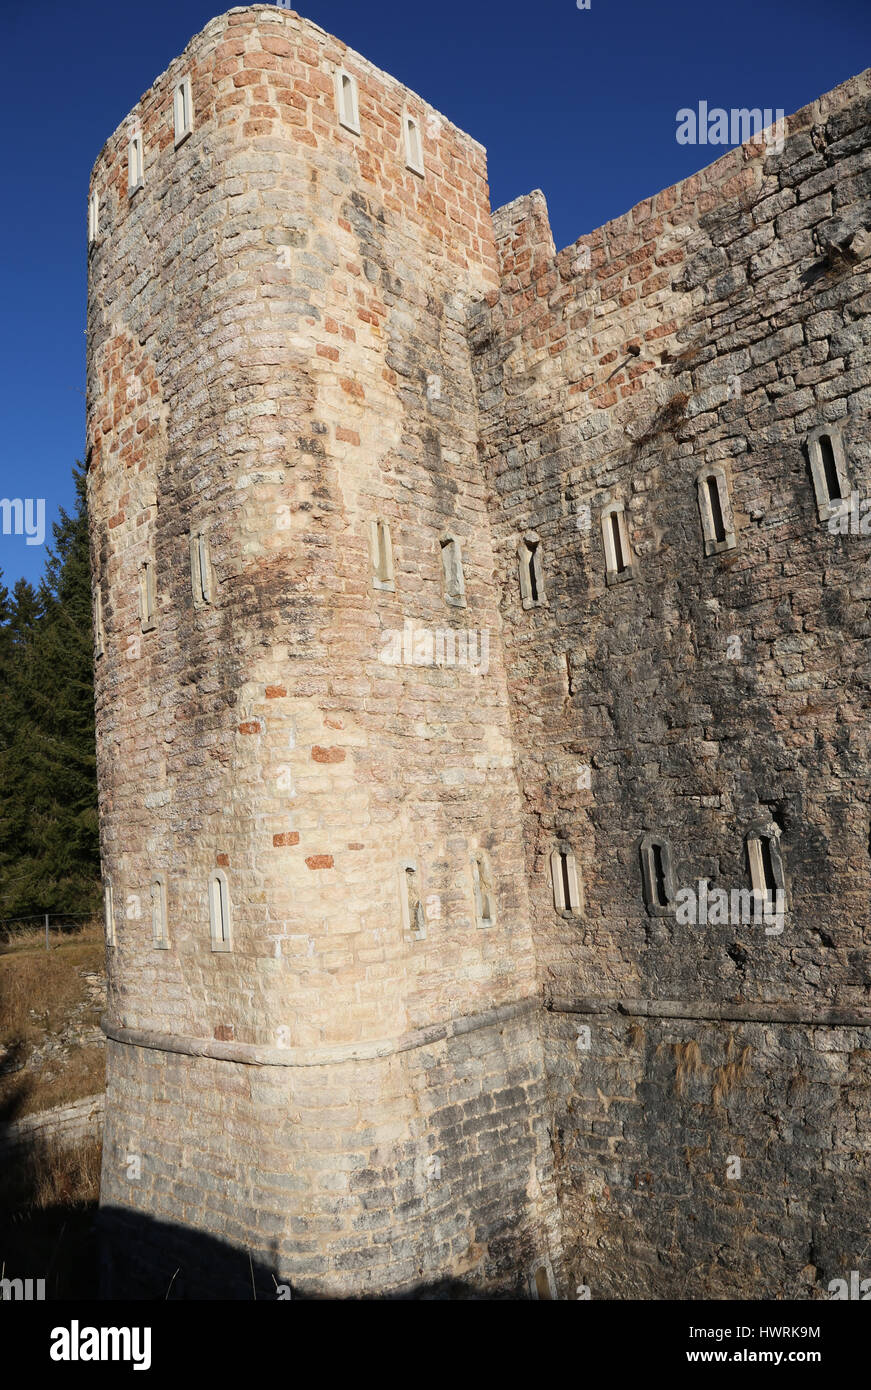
10, 927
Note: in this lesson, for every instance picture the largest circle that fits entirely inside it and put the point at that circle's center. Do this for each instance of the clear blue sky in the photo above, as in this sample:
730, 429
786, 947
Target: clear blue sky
581, 103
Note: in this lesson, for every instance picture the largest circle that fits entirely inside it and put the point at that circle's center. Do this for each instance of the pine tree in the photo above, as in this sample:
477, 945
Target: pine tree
49, 847
23, 612
5, 670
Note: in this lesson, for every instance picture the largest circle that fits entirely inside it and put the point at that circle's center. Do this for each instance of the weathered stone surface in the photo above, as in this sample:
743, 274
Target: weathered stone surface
291, 336
707, 694
268, 316
63, 1125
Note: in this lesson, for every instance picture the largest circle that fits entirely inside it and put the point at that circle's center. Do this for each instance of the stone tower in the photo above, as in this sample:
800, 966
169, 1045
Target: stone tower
458, 604
332, 1057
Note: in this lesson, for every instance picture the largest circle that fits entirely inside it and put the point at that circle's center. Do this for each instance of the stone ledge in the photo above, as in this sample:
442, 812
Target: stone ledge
715, 1012
251, 1054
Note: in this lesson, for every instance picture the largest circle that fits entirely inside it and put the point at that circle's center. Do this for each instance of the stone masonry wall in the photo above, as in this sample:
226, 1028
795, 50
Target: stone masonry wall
278, 354
719, 322
416, 1171
292, 335
63, 1125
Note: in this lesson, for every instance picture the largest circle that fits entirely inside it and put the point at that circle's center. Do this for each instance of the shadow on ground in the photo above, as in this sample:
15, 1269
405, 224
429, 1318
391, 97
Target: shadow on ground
142, 1258
51, 1228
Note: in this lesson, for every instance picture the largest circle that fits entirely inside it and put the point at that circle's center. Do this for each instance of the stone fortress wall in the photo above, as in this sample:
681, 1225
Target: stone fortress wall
697, 700
329, 397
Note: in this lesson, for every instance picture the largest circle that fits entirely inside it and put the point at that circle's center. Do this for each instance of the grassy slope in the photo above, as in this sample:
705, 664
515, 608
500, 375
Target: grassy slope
48, 1195
44, 996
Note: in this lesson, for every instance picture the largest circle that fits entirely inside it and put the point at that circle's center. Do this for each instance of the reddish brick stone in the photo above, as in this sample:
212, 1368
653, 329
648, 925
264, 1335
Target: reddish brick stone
328, 755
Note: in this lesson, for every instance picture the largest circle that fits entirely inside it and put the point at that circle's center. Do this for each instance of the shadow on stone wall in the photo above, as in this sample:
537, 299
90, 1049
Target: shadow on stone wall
49, 1188
52, 1228
142, 1258
86, 1253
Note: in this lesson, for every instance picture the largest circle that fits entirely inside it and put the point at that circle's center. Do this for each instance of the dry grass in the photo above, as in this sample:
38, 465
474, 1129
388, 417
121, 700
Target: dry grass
82, 1072
732, 1072
667, 418
725, 1078
38, 988
17, 939
49, 1174
43, 996
688, 1057
48, 1200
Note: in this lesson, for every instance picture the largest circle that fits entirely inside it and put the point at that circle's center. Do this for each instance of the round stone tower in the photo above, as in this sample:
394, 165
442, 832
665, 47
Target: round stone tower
324, 1053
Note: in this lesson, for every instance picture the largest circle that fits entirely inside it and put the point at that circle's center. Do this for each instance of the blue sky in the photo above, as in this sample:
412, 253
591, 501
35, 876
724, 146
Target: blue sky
580, 103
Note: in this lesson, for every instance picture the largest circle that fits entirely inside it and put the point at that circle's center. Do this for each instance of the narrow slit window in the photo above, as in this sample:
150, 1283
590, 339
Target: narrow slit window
830, 469
382, 555
413, 919
348, 102
567, 892
182, 108
201, 569
146, 596
109, 911
828, 465
657, 877
134, 163
618, 564
529, 561
452, 566
413, 143
542, 1286
219, 912
766, 867
93, 217
715, 508
566, 885
159, 922
482, 881
99, 628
